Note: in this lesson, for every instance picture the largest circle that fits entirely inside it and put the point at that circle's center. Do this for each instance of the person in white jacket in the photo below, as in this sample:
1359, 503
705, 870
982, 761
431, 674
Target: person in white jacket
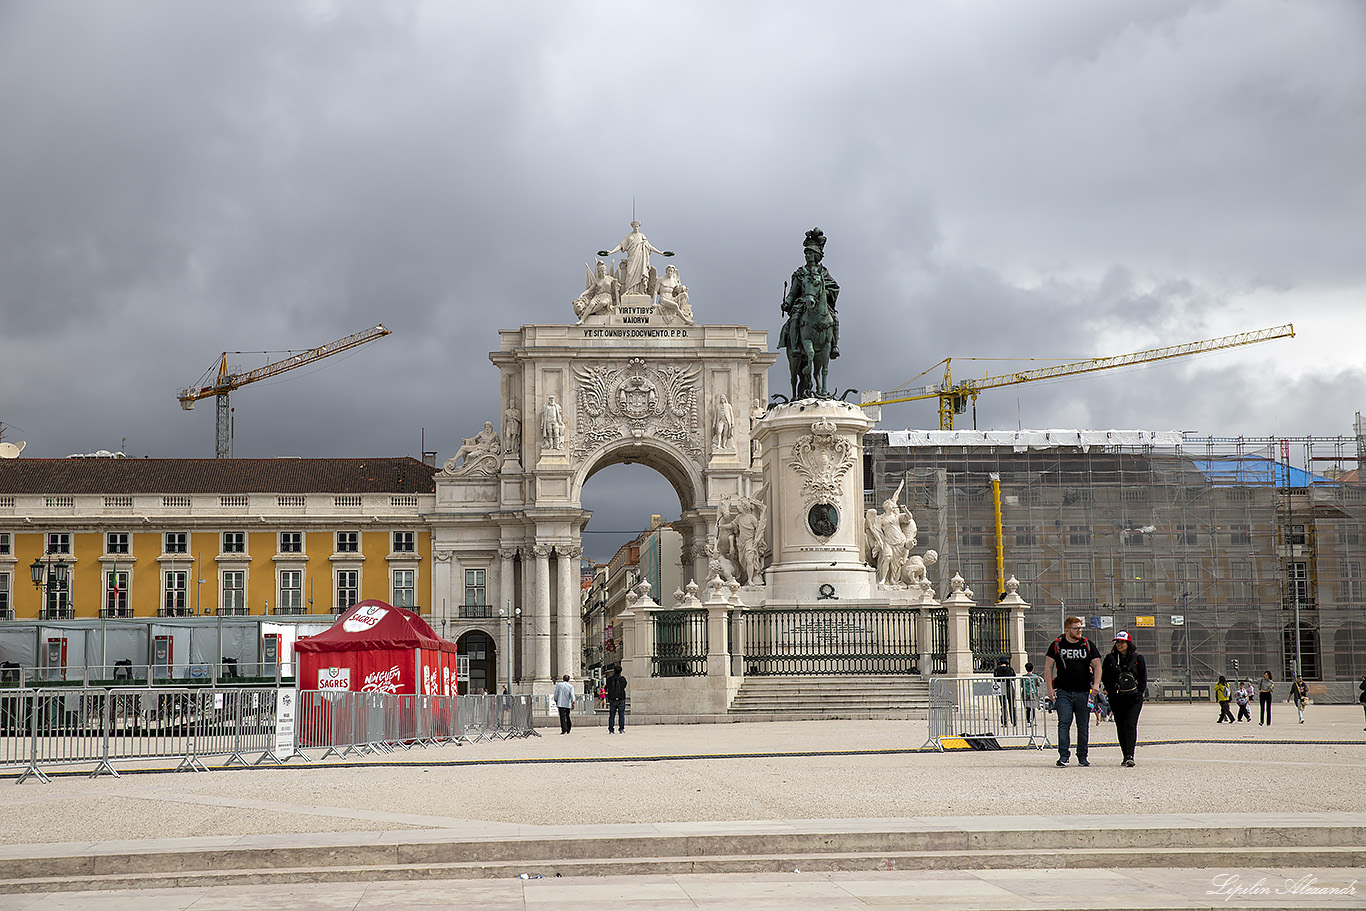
564, 701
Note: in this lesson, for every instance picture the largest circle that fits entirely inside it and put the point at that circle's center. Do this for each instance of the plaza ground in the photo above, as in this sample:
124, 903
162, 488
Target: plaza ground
765, 777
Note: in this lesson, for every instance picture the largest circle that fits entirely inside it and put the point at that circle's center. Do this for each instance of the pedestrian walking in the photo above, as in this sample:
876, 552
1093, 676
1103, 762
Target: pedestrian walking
1299, 694
1362, 697
1102, 706
1071, 671
1243, 696
616, 699
564, 701
1264, 695
1124, 674
1029, 691
1223, 696
1007, 697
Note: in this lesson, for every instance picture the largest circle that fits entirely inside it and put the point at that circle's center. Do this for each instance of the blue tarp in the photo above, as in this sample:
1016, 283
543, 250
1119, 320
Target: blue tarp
1250, 471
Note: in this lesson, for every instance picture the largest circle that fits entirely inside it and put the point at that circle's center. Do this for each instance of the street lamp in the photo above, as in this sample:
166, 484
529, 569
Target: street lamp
45, 573
508, 615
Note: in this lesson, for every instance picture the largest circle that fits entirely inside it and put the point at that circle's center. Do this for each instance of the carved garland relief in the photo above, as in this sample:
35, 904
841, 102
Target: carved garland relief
635, 401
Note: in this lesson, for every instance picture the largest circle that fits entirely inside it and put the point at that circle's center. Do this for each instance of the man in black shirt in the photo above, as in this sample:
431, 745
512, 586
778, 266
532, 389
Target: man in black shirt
616, 700
1071, 671
1003, 669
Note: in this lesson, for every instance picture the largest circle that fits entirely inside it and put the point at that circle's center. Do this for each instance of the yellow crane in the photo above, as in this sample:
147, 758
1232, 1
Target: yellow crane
953, 397
226, 381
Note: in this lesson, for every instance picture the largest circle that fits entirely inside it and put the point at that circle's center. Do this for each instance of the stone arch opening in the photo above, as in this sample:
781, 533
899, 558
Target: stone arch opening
481, 648
684, 475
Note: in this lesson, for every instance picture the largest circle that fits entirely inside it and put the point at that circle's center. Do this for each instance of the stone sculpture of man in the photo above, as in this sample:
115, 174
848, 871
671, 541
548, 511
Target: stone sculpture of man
751, 532
512, 428
671, 297
635, 271
552, 425
724, 424
483, 443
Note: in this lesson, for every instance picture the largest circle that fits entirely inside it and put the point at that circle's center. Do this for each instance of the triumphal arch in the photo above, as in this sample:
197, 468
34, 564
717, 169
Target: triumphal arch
629, 375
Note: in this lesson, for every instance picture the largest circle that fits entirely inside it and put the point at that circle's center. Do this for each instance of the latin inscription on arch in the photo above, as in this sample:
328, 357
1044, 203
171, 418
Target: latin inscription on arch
614, 332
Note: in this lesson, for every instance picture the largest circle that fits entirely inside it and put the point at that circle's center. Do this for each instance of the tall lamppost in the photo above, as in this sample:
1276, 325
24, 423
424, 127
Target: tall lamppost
45, 574
508, 614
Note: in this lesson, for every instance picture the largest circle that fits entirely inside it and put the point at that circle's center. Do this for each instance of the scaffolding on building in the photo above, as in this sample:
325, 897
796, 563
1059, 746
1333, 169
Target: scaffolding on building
1228, 556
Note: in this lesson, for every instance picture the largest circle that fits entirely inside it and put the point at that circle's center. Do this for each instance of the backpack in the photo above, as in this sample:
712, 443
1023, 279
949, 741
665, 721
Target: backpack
1126, 684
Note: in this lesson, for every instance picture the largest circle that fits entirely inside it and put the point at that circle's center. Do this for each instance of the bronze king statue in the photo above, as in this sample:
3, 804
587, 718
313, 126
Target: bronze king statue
811, 334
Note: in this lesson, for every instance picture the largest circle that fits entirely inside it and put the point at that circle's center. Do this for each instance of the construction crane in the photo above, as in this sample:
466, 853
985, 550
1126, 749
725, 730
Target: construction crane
227, 381
953, 397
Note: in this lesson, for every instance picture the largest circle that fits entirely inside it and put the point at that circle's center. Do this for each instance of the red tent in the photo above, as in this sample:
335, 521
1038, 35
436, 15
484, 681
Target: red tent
378, 648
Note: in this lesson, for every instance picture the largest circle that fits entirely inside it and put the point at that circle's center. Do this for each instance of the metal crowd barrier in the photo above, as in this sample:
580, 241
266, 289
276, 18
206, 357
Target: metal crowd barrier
987, 707
584, 704
77, 725
72, 726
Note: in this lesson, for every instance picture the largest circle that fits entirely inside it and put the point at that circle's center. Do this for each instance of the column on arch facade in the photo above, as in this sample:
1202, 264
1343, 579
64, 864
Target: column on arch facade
507, 587
540, 614
568, 614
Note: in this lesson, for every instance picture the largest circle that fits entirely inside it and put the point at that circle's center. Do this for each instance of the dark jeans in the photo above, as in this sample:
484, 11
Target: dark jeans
1070, 705
616, 708
1008, 711
565, 723
1244, 713
1224, 712
1126, 724
1266, 708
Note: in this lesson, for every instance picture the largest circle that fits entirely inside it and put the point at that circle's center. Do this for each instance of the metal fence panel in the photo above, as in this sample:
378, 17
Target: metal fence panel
831, 641
74, 725
681, 644
1005, 708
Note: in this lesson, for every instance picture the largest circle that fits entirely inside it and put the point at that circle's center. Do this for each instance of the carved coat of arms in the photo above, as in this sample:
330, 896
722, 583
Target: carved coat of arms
823, 459
637, 400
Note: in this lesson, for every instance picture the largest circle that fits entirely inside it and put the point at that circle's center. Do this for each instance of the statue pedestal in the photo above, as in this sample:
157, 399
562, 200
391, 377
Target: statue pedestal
813, 468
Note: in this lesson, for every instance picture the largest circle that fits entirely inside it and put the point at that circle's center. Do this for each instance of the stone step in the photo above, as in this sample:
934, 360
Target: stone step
824, 697
1086, 847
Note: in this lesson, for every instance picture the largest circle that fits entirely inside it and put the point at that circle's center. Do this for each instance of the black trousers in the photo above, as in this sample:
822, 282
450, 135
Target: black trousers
565, 723
1126, 724
1266, 708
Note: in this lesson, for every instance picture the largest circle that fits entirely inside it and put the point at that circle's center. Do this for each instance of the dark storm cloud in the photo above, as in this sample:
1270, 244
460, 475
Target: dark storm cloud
1053, 179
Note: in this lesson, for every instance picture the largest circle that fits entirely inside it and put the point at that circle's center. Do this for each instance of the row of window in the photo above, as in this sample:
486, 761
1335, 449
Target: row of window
234, 542
232, 595
1136, 587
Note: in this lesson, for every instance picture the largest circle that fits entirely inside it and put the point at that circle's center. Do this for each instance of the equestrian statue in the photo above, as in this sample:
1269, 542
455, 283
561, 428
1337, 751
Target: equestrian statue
811, 334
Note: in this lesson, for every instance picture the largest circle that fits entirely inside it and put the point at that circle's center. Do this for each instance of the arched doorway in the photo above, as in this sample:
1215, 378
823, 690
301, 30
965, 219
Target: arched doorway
478, 647
635, 534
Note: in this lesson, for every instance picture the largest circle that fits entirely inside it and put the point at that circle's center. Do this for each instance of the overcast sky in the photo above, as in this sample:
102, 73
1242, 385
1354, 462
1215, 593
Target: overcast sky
1057, 179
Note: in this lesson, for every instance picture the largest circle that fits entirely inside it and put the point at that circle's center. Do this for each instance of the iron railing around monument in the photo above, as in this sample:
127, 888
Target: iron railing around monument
988, 636
939, 640
681, 644
805, 641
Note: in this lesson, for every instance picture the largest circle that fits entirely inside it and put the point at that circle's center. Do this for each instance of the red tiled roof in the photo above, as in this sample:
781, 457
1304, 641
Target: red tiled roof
228, 476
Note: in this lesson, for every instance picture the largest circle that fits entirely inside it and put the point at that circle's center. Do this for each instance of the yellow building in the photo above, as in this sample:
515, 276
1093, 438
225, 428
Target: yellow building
101, 538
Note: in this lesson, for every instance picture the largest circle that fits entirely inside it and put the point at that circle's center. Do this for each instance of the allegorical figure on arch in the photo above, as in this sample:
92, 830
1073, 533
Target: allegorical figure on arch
811, 333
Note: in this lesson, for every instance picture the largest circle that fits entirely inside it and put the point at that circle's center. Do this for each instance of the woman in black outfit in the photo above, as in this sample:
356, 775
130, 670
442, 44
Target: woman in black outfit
1124, 675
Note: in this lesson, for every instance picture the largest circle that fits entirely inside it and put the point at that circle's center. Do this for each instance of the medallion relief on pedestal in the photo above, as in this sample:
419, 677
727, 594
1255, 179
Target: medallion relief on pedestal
822, 458
635, 401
